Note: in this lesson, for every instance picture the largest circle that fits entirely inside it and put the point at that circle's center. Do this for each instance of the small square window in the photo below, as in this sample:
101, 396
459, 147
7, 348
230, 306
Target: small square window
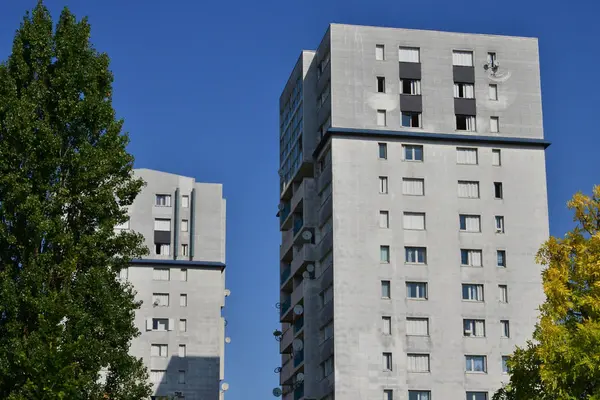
494, 124
472, 292
415, 255
416, 290
410, 86
381, 118
380, 84
465, 123
419, 395
163, 200
476, 363
412, 152
409, 54
469, 223
462, 58
382, 151
379, 52
498, 190
411, 119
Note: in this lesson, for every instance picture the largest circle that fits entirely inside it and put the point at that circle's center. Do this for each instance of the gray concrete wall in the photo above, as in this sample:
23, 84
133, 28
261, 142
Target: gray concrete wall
359, 342
354, 68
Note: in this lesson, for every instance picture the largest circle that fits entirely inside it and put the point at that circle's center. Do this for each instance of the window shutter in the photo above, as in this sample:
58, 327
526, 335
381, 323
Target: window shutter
148, 324
462, 58
171, 324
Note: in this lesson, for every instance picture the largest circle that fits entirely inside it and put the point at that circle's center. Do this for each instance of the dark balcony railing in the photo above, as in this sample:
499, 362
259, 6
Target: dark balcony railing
285, 305
299, 392
298, 358
298, 324
285, 274
285, 211
298, 224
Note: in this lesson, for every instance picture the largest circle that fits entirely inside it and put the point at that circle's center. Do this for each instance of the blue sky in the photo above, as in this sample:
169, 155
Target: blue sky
198, 84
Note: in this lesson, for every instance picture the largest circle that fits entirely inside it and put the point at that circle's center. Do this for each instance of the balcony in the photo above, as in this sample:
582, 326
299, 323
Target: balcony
298, 223
305, 189
287, 369
298, 358
284, 213
285, 274
285, 346
285, 250
298, 324
297, 294
285, 306
299, 392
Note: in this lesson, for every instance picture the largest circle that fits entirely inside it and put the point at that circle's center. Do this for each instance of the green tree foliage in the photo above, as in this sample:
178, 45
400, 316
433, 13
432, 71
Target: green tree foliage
562, 362
66, 321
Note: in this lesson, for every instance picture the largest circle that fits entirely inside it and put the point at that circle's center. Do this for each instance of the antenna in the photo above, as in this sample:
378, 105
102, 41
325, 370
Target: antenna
277, 392
298, 309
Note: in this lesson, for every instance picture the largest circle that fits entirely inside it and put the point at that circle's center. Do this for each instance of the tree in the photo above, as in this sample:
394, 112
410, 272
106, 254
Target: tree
562, 362
66, 321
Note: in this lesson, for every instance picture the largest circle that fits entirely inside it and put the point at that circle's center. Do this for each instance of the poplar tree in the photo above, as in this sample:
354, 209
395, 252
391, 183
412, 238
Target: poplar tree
562, 361
66, 178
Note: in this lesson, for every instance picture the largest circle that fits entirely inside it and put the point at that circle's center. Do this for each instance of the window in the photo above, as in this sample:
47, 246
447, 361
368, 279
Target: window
162, 249
470, 223
413, 186
472, 292
124, 225
414, 221
162, 224
415, 255
462, 58
184, 249
158, 350
384, 219
379, 52
464, 90
476, 396
476, 363
326, 295
380, 84
183, 325
185, 201
388, 394
468, 189
386, 290
324, 95
160, 274
493, 92
419, 395
412, 152
386, 325
494, 124
183, 300
418, 362
387, 361
160, 299
410, 86
498, 190
501, 258
381, 120
163, 200
183, 274
503, 293
466, 156
384, 254
326, 368
383, 184
417, 326
124, 274
325, 193
411, 119
496, 160
181, 376
326, 332
491, 58
474, 327
158, 376
184, 225
470, 258
409, 54
323, 64
182, 350
383, 151
416, 290
505, 365
504, 329
465, 123
158, 324
499, 223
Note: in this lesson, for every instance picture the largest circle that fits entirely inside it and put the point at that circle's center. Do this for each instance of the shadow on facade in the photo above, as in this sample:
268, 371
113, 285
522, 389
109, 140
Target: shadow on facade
189, 378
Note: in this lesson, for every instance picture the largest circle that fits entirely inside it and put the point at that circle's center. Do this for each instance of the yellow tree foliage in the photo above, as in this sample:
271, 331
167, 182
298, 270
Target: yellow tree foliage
562, 362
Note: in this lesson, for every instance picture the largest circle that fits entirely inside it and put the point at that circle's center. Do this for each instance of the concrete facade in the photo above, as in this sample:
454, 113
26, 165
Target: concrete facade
333, 345
195, 371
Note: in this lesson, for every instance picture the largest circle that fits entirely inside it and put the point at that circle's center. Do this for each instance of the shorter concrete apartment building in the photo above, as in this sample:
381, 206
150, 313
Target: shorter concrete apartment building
181, 284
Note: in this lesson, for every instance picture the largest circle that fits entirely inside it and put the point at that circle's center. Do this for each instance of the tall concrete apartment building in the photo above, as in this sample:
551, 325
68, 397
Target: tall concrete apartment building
181, 284
413, 201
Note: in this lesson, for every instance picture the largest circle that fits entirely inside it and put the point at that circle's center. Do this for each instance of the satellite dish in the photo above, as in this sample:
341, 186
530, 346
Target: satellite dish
297, 344
300, 377
298, 309
310, 267
277, 392
224, 386
227, 292
306, 275
227, 340
307, 235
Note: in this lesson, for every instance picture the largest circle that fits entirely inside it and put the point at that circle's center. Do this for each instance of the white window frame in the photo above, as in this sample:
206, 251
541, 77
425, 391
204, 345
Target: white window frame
503, 293
499, 222
419, 395
464, 90
473, 327
475, 292
185, 201
386, 285
185, 225
382, 80
123, 226
183, 274
503, 253
181, 376
494, 124
472, 223
409, 54
162, 249
158, 376
411, 114
162, 224
421, 290
504, 328
387, 361
384, 219
183, 300
159, 350
185, 249
182, 351
504, 364
415, 255
470, 123
415, 87
381, 117
477, 395
160, 299
183, 325
496, 157
386, 325
412, 151
414, 221
383, 185
470, 363
474, 258
162, 200
382, 148
380, 52
493, 91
